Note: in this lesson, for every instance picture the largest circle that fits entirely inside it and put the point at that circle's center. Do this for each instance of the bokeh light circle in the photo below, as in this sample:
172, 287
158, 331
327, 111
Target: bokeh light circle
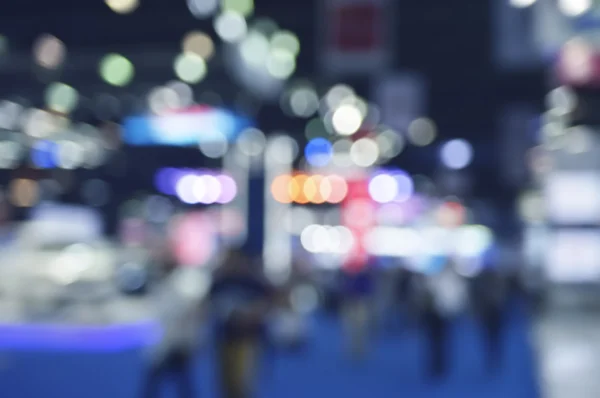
456, 154
116, 70
318, 152
190, 68
383, 188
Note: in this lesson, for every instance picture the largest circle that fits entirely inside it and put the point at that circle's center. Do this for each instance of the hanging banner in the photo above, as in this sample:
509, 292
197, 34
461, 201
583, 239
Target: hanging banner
401, 99
356, 37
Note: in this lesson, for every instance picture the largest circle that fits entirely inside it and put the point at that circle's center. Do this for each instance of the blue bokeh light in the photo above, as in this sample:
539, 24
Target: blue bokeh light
318, 152
43, 154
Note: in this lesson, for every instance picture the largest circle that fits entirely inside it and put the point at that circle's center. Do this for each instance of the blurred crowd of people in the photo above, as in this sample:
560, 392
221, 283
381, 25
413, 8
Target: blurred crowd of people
245, 319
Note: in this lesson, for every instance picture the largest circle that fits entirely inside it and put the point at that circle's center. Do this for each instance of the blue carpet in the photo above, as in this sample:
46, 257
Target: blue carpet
394, 368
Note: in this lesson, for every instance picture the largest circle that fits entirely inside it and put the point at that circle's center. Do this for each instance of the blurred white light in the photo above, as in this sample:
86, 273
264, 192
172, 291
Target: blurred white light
321, 239
383, 188
123, 6
199, 188
187, 189
561, 99
347, 119
456, 154
346, 239
211, 189
306, 238
522, 3
255, 49
473, 240
71, 155
396, 242
231, 26
190, 68
202, 8
281, 64
287, 41
439, 241
338, 95
364, 152
326, 239
572, 197
574, 8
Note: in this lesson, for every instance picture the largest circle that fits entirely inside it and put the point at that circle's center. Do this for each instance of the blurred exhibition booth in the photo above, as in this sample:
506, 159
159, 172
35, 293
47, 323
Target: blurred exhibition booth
560, 209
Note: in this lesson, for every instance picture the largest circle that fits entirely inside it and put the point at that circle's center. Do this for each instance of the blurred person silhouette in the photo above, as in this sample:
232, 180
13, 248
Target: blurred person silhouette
445, 297
288, 326
179, 303
358, 289
241, 298
489, 300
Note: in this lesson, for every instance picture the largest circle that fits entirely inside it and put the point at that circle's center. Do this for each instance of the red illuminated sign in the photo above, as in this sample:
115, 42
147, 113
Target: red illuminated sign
357, 27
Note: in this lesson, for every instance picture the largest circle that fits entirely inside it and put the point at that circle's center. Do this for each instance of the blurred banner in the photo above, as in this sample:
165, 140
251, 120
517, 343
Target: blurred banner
356, 36
514, 37
572, 197
188, 127
401, 98
573, 256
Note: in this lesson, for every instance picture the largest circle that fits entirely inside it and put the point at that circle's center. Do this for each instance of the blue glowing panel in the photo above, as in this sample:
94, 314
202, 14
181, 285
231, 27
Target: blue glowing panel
186, 128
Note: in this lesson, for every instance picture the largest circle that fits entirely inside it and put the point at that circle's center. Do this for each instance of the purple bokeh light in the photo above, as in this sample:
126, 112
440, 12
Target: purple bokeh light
228, 189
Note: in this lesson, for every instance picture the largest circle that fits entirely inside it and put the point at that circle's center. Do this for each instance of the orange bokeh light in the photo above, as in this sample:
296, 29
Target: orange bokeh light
312, 189
339, 189
280, 189
297, 189
303, 189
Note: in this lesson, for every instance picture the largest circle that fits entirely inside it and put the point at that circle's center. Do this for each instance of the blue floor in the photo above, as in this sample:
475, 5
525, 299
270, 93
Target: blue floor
394, 369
